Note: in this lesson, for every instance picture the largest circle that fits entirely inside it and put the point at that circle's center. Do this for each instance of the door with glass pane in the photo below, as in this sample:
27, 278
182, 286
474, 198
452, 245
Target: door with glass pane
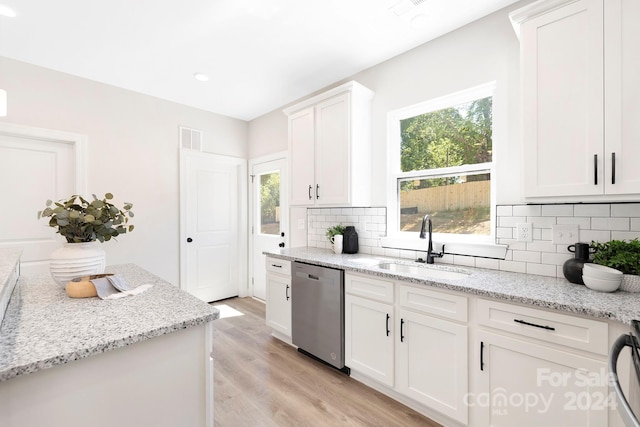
268, 217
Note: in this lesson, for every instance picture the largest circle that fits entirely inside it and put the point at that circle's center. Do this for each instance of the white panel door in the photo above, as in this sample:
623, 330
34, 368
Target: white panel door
268, 217
211, 227
34, 168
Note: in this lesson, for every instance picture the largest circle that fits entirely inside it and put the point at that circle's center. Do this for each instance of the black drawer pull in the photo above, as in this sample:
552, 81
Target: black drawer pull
523, 322
276, 266
613, 168
595, 169
482, 355
401, 330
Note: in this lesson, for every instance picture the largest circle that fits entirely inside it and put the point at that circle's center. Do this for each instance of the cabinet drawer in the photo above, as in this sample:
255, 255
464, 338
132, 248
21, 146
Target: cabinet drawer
368, 287
562, 329
434, 302
280, 266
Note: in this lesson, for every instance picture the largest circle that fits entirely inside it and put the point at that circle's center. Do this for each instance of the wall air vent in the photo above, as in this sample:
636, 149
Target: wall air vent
191, 139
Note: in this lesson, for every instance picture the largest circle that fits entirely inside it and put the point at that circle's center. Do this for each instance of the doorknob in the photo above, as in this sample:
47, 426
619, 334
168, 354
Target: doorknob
282, 234
189, 240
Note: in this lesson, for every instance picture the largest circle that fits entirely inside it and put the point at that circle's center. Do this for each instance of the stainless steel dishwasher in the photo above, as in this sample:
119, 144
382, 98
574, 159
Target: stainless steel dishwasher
317, 312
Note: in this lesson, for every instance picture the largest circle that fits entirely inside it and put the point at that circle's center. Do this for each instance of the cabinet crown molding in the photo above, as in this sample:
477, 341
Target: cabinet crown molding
351, 86
519, 16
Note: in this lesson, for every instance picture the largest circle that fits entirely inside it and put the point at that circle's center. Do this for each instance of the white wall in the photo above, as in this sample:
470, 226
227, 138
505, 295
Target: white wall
133, 145
483, 51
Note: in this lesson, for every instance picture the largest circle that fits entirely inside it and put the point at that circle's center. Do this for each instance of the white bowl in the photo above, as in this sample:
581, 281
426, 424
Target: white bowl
602, 285
601, 272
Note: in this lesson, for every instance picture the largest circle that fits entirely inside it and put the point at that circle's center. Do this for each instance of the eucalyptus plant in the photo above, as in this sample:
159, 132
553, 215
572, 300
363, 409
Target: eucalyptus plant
80, 220
336, 229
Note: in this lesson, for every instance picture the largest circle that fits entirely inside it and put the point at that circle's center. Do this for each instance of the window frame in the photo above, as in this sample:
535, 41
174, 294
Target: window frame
395, 174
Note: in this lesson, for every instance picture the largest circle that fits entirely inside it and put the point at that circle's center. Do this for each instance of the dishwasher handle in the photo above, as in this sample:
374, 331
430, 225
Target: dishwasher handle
626, 413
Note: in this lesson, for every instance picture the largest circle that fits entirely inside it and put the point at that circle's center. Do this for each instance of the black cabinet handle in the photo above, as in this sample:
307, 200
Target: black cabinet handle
317, 191
613, 168
310, 197
388, 317
595, 169
276, 266
548, 328
401, 330
189, 240
482, 355
286, 293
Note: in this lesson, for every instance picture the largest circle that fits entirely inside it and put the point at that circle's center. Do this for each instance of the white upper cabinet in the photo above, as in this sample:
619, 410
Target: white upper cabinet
580, 92
329, 146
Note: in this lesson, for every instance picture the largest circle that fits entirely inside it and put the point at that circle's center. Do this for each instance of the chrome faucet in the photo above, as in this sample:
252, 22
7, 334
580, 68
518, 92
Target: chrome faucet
426, 223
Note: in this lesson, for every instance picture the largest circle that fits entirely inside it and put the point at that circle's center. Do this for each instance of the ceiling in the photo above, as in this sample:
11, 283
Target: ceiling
259, 54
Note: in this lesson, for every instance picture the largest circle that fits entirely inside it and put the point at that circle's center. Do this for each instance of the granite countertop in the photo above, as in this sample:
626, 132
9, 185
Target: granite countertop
43, 327
540, 291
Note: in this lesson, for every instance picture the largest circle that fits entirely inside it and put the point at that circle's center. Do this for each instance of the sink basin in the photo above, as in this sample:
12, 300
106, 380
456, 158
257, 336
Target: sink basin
427, 272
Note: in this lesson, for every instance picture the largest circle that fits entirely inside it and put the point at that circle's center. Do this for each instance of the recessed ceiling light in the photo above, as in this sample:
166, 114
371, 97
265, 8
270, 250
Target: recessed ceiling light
201, 77
7, 11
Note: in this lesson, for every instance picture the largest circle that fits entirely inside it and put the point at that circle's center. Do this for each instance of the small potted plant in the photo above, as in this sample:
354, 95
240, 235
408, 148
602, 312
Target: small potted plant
82, 223
336, 230
623, 256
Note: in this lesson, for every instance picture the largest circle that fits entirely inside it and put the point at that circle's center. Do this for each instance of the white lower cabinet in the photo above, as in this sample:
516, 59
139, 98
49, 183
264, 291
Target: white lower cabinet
369, 338
432, 363
538, 365
416, 354
522, 383
278, 311
369, 327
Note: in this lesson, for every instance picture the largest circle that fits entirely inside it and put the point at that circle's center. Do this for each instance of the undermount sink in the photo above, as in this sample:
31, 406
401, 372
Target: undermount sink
428, 272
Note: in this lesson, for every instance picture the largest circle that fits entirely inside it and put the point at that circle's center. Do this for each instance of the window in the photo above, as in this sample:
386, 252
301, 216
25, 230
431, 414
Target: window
441, 156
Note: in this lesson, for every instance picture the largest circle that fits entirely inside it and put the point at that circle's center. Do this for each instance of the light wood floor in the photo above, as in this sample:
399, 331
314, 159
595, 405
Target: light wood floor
261, 381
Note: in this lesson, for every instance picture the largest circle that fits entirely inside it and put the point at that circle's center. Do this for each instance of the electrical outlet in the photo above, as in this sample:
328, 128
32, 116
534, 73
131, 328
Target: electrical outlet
524, 232
565, 233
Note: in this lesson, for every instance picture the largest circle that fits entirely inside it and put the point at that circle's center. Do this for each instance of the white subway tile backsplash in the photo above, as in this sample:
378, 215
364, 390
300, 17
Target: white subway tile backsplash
557, 210
625, 209
597, 222
504, 211
591, 210
511, 221
541, 269
587, 236
526, 256
620, 224
625, 235
527, 210
581, 222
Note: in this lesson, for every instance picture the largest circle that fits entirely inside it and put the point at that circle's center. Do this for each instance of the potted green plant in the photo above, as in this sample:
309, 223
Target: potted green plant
82, 223
336, 243
621, 255
334, 230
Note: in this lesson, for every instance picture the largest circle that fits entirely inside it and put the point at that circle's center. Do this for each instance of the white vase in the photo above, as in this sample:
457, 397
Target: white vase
75, 260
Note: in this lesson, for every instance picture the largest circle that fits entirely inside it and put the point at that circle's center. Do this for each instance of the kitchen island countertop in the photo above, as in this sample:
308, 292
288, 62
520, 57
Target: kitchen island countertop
546, 292
43, 327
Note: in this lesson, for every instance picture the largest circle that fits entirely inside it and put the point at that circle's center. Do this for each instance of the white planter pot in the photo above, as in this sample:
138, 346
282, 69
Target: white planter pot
76, 259
630, 283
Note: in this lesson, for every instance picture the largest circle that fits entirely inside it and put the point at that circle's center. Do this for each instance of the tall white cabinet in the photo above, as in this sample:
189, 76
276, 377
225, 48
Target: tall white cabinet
329, 146
581, 97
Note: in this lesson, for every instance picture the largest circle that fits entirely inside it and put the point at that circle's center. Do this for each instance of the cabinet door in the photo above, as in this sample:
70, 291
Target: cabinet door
562, 89
622, 96
279, 303
301, 151
333, 151
369, 338
432, 363
521, 381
